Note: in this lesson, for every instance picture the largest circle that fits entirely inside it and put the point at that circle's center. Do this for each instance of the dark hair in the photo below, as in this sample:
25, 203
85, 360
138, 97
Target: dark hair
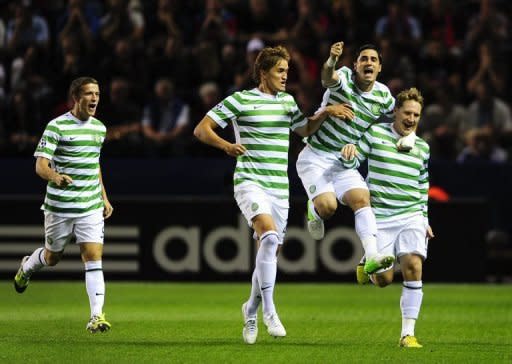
76, 86
408, 95
268, 58
369, 46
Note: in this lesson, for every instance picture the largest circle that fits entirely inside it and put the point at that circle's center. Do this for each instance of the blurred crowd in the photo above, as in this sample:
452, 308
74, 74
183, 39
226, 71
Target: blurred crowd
162, 64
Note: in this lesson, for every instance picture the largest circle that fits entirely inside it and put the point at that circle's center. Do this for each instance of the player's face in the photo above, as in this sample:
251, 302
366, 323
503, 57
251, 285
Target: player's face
88, 101
367, 66
407, 117
275, 78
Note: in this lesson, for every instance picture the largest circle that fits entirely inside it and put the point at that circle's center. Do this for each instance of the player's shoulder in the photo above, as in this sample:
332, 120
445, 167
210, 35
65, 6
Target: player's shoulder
98, 123
60, 120
381, 89
422, 144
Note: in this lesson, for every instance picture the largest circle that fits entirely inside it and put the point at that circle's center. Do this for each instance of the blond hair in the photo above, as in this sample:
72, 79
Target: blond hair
407, 95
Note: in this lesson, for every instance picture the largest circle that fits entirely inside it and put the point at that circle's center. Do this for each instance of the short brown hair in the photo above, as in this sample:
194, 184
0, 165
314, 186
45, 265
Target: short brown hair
76, 85
268, 58
407, 95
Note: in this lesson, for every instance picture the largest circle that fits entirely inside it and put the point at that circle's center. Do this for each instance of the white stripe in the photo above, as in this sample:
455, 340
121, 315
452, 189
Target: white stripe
75, 266
26, 231
11, 247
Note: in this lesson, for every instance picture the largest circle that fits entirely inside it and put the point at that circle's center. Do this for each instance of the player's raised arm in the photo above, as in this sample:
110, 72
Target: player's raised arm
329, 76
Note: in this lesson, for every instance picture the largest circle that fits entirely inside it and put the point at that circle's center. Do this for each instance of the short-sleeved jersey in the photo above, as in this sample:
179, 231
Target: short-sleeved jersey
262, 124
398, 181
334, 133
73, 147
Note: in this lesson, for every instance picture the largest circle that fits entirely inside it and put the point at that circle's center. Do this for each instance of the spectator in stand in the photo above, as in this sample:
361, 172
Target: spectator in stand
488, 69
442, 124
489, 24
438, 23
123, 115
125, 61
263, 22
25, 29
403, 29
81, 22
165, 120
309, 28
121, 22
243, 75
481, 146
23, 123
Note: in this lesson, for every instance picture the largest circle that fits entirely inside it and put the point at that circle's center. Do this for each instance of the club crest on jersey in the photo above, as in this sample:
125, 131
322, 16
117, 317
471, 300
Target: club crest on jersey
376, 109
312, 189
254, 206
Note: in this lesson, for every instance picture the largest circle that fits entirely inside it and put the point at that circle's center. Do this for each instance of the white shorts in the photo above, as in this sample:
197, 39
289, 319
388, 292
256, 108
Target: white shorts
403, 236
59, 231
321, 174
253, 200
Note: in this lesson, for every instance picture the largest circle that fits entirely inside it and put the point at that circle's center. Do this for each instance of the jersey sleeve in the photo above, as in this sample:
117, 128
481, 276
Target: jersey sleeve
226, 111
49, 141
423, 183
389, 105
298, 120
342, 73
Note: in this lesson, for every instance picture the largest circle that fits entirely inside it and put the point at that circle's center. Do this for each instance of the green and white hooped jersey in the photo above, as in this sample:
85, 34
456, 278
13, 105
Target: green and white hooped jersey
261, 123
73, 147
398, 181
334, 133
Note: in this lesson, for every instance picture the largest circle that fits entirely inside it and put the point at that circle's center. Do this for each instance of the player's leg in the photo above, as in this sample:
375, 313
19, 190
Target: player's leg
411, 299
387, 238
256, 207
266, 268
314, 172
58, 231
412, 250
352, 191
89, 236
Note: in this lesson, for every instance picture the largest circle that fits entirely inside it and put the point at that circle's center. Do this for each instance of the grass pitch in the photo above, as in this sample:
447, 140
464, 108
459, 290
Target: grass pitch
202, 323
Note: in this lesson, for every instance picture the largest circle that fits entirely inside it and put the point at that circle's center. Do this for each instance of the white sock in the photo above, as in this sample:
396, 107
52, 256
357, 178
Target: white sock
255, 299
95, 286
366, 229
266, 269
410, 303
35, 262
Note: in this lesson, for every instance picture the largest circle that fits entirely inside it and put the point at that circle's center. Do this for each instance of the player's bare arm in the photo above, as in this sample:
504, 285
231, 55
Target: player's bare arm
44, 171
107, 206
329, 77
430, 233
204, 131
342, 111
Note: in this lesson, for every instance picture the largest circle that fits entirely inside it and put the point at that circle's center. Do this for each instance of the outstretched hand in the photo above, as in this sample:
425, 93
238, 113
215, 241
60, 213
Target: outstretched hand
349, 152
336, 51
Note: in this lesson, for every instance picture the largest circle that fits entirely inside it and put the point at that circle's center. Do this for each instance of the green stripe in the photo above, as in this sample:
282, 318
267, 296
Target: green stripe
379, 182
254, 159
72, 188
264, 124
72, 210
389, 172
261, 172
275, 185
394, 196
77, 165
387, 160
272, 148
259, 135
73, 199
70, 153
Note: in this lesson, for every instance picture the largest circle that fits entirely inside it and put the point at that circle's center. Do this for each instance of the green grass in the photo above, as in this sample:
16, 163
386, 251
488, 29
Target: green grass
201, 323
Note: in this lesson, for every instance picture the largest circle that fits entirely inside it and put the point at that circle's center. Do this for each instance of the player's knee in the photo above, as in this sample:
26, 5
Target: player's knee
382, 281
358, 199
413, 267
268, 246
326, 207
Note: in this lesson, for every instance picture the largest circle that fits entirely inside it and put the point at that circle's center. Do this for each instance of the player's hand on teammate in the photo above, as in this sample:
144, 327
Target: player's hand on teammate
348, 152
107, 209
234, 150
62, 180
341, 111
